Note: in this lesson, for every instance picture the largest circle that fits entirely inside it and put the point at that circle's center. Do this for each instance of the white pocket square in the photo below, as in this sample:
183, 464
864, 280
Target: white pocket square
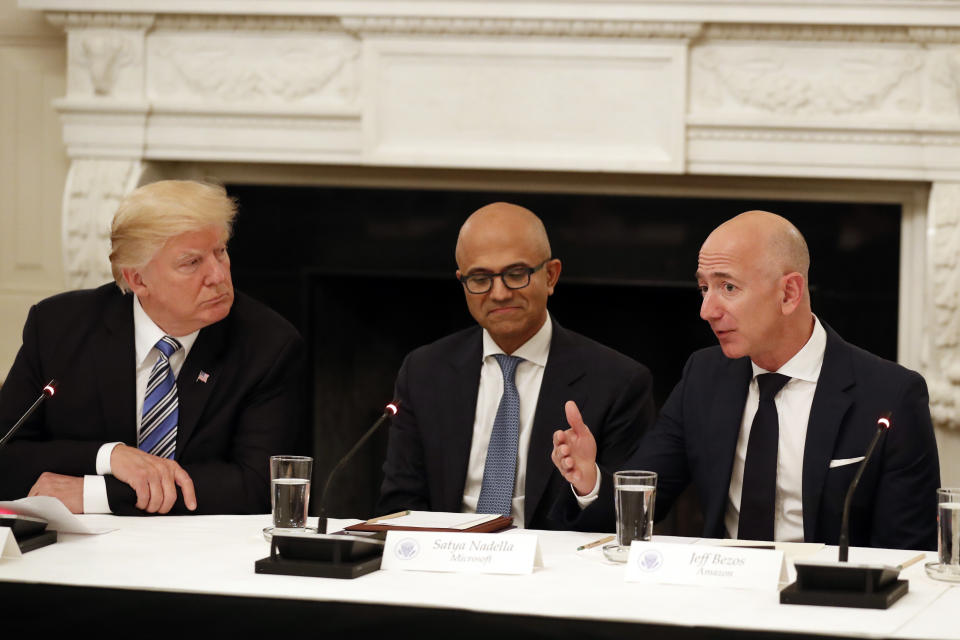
842, 462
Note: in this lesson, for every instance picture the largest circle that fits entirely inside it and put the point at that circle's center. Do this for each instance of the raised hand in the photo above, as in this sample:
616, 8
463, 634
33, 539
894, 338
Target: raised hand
575, 452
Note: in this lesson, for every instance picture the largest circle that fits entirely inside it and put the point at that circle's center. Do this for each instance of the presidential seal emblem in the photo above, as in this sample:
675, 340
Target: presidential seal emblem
407, 549
650, 560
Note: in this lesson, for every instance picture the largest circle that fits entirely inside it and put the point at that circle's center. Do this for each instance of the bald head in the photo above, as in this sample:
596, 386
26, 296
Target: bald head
502, 222
752, 274
773, 240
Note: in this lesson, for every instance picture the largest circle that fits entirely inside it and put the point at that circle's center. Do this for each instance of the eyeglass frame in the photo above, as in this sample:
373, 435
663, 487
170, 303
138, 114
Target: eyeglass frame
529, 271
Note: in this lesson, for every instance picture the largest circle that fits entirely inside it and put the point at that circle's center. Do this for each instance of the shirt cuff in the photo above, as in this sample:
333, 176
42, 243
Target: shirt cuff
95, 495
587, 500
103, 458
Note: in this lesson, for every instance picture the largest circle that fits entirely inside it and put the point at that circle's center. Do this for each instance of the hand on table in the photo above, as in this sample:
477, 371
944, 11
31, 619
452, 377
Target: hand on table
154, 479
575, 452
67, 489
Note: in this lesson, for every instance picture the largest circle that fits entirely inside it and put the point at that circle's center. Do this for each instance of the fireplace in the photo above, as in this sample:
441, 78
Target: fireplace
367, 275
774, 102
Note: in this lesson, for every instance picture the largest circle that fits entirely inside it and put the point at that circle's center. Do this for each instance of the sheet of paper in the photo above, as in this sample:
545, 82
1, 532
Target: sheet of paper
54, 512
438, 520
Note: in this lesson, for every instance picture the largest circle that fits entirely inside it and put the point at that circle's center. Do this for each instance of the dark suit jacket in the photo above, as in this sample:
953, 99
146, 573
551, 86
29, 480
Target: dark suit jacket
247, 410
695, 437
429, 447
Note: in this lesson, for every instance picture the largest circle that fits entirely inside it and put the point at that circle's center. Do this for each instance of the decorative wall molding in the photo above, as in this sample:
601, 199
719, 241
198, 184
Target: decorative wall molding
820, 33
101, 20
250, 69
287, 24
522, 27
786, 81
943, 374
768, 133
93, 192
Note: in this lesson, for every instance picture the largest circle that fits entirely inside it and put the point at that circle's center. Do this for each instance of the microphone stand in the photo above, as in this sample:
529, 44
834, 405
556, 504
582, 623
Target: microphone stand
29, 532
841, 584
327, 555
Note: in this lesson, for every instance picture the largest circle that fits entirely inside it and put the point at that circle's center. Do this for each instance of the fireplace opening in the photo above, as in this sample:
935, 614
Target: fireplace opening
367, 274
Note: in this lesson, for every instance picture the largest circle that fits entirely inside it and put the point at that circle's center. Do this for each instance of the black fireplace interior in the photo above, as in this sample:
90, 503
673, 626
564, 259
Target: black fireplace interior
367, 274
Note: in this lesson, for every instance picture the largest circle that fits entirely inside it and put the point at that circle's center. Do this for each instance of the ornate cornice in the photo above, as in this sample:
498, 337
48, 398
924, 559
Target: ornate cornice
199, 22
745, 134
102, 20
523, 27
809, 33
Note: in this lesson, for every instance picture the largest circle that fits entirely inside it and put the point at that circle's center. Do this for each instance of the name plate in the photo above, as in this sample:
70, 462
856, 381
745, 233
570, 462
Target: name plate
8, 544
736, 567
461, 552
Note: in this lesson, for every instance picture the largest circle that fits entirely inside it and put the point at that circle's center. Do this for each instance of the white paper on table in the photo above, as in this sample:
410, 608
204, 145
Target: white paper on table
437, 520
8, 545
56, 514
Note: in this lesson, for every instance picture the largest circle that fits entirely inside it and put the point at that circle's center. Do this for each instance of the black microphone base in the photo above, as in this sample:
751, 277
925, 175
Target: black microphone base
882, 599
318, 569
841, 584
321, 556
30, 533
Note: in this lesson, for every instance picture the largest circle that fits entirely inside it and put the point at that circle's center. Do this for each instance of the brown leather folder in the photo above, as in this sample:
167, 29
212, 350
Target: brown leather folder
490, 526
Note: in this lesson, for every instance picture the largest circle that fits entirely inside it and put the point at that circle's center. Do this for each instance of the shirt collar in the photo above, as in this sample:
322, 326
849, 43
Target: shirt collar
146, 333
534, 350
806, 363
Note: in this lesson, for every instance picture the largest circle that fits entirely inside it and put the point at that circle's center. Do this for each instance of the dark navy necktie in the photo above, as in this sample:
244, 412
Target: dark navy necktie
759, 493
161, 411
500, 469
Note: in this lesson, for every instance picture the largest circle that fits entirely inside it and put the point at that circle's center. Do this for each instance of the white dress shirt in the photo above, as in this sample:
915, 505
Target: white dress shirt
528, 378
793, 404
146, 335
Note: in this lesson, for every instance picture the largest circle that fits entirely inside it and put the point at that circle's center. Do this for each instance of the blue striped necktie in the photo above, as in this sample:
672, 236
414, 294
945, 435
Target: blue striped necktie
161, 411
500, 470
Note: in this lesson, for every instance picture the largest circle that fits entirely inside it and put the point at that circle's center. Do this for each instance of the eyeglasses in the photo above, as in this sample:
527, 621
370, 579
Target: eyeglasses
512, 278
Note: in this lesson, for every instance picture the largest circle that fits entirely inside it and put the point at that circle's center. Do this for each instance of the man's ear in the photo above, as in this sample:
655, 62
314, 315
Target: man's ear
134, 280
553, 269
793, 288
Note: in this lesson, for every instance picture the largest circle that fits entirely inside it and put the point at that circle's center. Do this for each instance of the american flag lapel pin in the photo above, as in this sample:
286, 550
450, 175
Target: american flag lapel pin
203, 376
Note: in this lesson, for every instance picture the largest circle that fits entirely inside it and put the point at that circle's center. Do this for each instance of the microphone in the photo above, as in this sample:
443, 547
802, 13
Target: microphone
388, 412
48, 391
883, 424
841, 583
324, 555
29, 532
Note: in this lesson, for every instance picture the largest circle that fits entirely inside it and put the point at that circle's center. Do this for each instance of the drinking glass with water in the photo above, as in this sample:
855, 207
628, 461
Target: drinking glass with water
948, 529
636, 493
290, 491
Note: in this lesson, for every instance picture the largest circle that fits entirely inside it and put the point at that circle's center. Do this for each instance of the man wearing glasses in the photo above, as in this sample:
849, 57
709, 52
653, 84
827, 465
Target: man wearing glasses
478, 408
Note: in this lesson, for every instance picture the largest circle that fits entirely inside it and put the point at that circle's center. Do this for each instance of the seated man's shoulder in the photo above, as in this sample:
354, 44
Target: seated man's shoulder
69, 301
457, 344
885, 376
250, 316
598, 356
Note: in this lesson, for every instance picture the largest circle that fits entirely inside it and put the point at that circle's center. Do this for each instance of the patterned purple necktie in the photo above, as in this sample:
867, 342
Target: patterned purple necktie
500, 470
161, 412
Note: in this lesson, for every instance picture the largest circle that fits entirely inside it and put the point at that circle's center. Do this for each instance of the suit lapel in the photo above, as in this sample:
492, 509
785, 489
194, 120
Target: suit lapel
461, 384
194, 388
723, 422
562, 371
831, 401
115, 365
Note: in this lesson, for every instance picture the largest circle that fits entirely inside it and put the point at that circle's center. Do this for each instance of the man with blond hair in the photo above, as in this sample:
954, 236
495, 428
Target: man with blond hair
174, 389
771, 425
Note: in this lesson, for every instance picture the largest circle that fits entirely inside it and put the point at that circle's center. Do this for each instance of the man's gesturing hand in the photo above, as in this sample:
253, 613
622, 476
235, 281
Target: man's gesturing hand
575, 452
154, 479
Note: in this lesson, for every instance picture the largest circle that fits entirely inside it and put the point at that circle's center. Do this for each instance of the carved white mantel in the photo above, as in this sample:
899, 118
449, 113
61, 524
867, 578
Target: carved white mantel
865, 90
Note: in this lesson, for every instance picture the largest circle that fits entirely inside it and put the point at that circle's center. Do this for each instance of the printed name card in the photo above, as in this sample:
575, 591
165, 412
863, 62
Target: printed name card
461, 552
736, 567
8, 544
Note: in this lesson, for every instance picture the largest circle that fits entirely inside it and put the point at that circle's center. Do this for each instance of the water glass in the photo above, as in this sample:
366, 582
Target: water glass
290, 491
